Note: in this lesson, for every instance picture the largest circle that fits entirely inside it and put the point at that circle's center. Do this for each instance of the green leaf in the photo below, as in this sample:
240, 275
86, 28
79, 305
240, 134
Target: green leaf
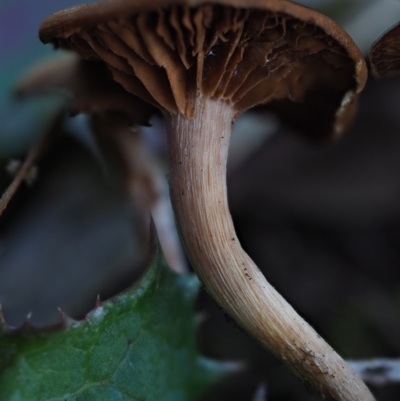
138, 346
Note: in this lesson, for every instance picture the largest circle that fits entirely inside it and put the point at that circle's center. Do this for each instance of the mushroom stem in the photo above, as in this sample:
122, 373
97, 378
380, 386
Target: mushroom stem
198, 151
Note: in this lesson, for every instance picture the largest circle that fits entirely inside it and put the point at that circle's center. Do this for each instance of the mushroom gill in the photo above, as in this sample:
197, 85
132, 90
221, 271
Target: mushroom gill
385, 54
243, 56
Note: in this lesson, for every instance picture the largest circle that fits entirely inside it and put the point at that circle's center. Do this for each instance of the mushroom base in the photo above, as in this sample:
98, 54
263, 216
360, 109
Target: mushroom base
198, 150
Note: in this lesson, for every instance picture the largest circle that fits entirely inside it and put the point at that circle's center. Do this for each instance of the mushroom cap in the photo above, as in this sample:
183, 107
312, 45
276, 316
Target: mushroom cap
385, 54
89, 85
292, 59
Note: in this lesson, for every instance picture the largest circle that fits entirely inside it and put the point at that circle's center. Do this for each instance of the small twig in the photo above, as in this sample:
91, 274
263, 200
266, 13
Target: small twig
378, 372
24, 170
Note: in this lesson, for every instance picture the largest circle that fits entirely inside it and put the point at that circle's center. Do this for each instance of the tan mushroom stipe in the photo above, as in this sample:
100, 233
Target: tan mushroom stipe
203, 63
385, 54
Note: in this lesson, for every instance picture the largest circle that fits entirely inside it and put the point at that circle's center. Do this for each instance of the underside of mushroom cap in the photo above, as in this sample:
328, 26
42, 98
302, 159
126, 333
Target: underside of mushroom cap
276, 53
385, 54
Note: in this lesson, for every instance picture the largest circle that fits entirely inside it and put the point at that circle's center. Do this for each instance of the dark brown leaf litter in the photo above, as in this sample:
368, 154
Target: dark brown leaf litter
295, 60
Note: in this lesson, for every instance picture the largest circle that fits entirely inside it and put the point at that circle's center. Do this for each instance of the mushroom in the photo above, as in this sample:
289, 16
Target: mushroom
202, 63
142, 178
113, 111
385, 54
88, 86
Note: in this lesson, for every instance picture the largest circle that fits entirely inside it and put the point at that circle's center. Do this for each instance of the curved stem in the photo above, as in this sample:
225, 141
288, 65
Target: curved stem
142, 179
198, 151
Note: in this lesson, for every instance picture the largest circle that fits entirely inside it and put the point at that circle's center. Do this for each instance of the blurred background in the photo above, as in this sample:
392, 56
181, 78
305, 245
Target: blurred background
322, 222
